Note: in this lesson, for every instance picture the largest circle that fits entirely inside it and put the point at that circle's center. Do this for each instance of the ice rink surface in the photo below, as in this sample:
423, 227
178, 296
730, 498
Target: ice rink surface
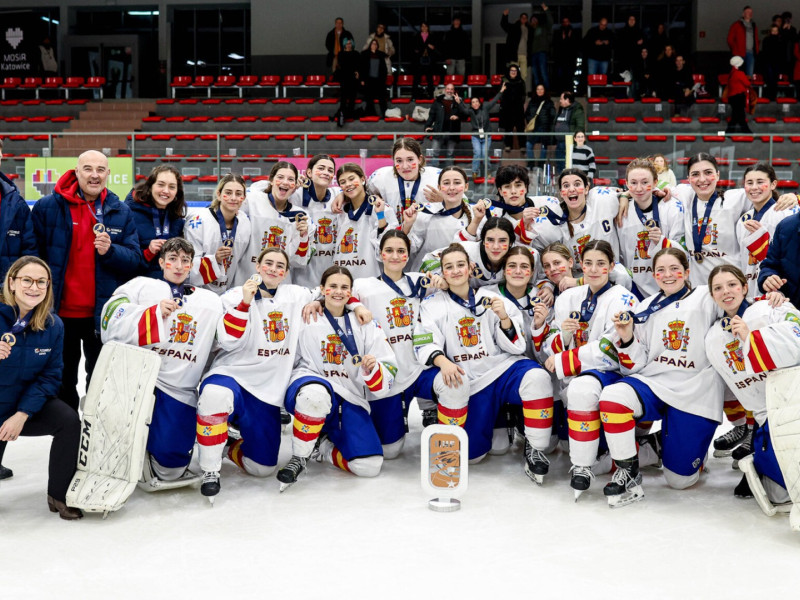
334, 536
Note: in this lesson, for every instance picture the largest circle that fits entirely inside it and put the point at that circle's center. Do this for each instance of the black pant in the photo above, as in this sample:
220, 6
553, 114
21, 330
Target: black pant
77, 332
347, 98
509, 121
418, 70
374, 89
59, 420
738, 122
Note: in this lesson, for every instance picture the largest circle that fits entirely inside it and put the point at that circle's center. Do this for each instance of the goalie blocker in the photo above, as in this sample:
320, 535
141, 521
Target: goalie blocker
116, 415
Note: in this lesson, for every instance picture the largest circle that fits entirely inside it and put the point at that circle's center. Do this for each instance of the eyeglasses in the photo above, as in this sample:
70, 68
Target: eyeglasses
27, 282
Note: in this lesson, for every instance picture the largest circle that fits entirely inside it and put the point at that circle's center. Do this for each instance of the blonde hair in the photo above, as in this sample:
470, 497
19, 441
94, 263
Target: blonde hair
42, 313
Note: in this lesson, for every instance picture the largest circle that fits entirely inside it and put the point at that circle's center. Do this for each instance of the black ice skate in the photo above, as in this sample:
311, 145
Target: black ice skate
581, 480
745, 448
724, 444
430, 416
626, 484
536, 464
210, 486
289, 474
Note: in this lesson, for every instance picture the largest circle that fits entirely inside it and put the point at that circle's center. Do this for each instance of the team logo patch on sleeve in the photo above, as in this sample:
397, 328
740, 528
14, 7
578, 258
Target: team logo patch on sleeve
111, 309
423, 338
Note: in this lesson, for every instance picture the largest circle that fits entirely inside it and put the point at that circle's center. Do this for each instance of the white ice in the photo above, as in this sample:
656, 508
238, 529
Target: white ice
332, 536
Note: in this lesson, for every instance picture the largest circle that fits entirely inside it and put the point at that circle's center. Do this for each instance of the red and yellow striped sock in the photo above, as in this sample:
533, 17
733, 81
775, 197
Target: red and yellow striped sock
452, 416
734, 412
338, 460
235, 454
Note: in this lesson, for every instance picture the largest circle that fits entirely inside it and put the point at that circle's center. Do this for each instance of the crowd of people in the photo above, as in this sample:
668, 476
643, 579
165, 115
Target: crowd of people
573, 322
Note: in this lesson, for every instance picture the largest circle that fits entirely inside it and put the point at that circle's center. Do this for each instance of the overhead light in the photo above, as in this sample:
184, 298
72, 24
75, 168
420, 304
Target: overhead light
235, 56
49, 20
143, 13
190, 63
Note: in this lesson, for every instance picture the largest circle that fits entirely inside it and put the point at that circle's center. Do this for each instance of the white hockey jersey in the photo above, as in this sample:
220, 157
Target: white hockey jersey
323, 240
184, 340
484, 276
473, 341
433, 230
720, 244
397, 314
590, 347
322, 353
384, 183
636, 249
753, 246
357, 239
525, 307
668, 354
259, 344
270, 229
202, 230
774, 342
539, 232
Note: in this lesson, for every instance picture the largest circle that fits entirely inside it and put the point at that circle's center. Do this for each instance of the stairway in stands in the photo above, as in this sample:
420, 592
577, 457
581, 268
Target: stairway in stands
111, 116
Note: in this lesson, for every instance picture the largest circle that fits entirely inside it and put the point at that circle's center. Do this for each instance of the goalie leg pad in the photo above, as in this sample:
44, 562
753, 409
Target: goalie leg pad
114, 431
783, 409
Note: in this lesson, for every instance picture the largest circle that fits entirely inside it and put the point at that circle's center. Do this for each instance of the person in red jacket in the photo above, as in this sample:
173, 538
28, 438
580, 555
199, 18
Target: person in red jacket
743, 40
738, 97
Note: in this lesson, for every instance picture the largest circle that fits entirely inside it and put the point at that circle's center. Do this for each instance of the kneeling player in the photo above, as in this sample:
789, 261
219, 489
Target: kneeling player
339, 364
479, 336
245, 384
179, 323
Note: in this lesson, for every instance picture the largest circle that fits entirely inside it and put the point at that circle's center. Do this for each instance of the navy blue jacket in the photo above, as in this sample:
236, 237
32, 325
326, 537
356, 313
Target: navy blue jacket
32, 372
15, 226
143, 217
783, 258
52, 224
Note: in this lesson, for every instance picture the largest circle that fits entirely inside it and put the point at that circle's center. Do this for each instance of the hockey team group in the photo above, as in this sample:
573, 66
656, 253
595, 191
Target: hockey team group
332, 301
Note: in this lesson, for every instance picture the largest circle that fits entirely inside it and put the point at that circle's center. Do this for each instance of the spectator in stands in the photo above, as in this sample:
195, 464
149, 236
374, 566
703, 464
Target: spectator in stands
424, 61
642, 82
19, 240
743, 40
571, 118
682, 84
598, 45
478, 114
373, 78
629, 43
666, 178
566, 48
739, 87
159, 211
347, 74
772, 60
456, 47
665, 71
780, 271
541, 27
512, 105
334, 42
87, 265
385, 44
796, 70
445, 117
542, 111
658, 41
789, 37
519, 40
583, 156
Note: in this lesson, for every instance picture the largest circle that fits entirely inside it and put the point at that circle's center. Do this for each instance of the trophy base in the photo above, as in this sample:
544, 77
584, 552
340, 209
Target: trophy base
444, 504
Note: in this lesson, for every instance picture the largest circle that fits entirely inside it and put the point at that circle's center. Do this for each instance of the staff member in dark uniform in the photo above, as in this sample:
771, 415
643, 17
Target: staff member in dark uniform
31, 348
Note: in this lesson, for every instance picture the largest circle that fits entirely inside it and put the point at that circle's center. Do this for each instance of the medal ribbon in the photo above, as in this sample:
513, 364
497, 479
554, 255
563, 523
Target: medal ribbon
699, 231
654, 207
345, 336
417, 291
659, 303
223, 229
470, 305
160, 223
590, 302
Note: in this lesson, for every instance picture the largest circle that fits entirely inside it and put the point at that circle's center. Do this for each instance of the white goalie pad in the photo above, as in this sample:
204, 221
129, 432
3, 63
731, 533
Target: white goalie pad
116, 414
783, 414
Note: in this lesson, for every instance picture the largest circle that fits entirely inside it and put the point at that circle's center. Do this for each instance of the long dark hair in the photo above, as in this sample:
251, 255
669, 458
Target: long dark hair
496, 223
763, 167
561, 202
177, 208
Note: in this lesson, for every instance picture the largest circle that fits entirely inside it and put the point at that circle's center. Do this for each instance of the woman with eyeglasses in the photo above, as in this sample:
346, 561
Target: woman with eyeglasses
31, 350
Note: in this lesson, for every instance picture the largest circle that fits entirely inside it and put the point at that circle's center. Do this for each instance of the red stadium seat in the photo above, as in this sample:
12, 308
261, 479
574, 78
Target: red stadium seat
475, 81
788, 184
679, 119
627, 138
625, 119
685, 138
746, 162
655, 138
599, 138
52, 83
270, 81
742, 139
781, 162
497, 80
456, 80
653, 119
95, 83
291, 81
598, 119
30, 83
225, 81
9, 83
597, 100
708, 119
247, 81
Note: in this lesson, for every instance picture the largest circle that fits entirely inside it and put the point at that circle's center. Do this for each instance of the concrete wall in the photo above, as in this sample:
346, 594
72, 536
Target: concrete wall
713, 19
